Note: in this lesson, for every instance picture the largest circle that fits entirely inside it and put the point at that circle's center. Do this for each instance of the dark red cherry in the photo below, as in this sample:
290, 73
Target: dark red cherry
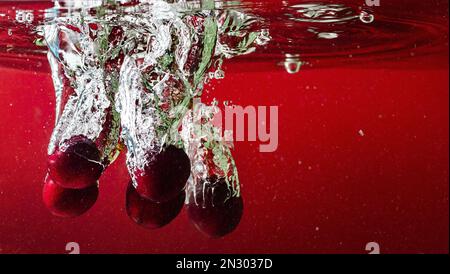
77, 166
165, 176
150, 214
65, 202
214, 211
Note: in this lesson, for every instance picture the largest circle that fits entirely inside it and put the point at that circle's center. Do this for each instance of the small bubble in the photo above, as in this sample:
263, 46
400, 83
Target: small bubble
366, 17
292, 63
219, 74
327, 35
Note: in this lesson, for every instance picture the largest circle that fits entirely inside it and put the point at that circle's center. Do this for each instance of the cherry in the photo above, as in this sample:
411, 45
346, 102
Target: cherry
66, 202
165, 176
149, 214
214, 211
77, 166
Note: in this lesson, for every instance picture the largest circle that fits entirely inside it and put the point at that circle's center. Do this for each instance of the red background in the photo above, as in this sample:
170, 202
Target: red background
326, 189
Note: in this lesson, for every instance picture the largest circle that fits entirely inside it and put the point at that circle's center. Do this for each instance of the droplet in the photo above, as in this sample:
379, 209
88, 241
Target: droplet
366, 17
292, 63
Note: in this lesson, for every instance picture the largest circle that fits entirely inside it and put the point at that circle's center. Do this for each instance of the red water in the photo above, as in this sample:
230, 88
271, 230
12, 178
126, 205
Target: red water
363, 152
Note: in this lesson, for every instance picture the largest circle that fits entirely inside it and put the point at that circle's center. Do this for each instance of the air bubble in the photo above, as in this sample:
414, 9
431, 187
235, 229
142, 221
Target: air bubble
219, 74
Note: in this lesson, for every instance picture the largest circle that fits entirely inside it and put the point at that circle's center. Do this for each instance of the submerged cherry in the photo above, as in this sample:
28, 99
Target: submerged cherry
213, 210
150, 214
77, 166
165, 176
66, 202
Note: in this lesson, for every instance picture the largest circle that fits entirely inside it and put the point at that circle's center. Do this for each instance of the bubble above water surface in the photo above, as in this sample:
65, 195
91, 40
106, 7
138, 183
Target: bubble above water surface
336, 31
327, 35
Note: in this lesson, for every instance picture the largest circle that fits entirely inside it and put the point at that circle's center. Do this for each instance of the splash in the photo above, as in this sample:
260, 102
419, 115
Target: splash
211, 156
128, 72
